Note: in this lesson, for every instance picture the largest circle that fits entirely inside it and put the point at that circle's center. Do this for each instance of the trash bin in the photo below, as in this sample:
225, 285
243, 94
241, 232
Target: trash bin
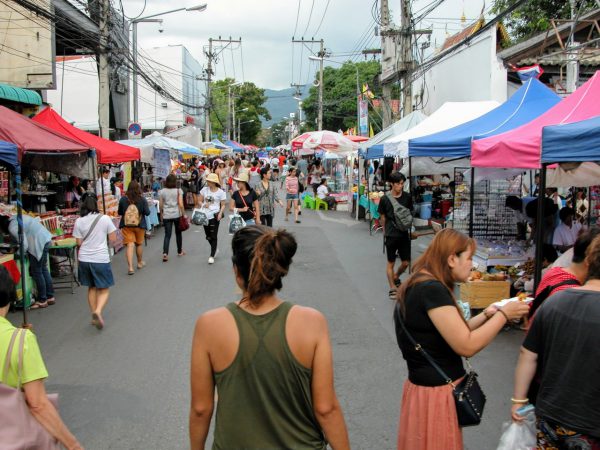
425, 211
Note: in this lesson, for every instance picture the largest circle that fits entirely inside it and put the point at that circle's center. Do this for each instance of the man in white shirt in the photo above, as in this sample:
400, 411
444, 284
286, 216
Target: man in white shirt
566, 233
323, 194
104, 179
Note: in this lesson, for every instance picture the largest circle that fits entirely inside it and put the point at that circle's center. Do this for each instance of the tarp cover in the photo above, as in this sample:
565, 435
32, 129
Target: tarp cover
449, 115
157, 140
30, 136
521, 147
107, 152
8, 154
399, 127
529, 102
579, 141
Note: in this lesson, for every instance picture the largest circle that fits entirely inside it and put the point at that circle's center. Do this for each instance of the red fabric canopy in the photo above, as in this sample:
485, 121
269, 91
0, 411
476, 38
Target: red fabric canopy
355, 138
107, 152
30, 136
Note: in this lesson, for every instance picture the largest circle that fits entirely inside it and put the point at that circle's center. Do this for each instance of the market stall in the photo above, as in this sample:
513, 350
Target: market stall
521, 148
42, 148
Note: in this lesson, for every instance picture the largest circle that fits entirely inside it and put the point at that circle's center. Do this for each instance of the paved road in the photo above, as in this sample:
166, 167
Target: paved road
127, 387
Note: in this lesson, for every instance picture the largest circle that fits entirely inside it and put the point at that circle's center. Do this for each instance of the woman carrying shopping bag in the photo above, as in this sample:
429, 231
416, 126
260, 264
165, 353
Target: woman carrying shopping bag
27, 382
212, 200
171, 208
245, 201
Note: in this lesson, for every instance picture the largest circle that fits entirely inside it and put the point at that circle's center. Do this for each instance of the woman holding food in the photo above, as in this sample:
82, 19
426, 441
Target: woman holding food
427, 310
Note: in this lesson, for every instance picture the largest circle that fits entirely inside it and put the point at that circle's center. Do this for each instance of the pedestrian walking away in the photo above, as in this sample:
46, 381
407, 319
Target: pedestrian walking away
274, 355
91, 231
245, 201
557, 349
212, 199
268, 196
37, 241
25, 370
171, 208
396, 238
427, 309
133, 210
292, 190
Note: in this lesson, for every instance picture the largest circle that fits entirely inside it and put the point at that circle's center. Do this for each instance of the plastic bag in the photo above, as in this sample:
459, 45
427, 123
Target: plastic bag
200, 217
236, 222
519, 435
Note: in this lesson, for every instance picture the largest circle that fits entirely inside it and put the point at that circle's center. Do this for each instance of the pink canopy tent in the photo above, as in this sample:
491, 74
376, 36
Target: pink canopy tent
521, 148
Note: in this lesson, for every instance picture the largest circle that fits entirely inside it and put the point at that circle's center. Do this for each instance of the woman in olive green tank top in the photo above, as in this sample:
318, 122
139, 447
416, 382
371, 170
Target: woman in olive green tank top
270, 361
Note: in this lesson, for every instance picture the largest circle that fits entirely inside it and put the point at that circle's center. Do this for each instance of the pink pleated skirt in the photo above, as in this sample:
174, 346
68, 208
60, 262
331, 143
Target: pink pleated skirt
428, 419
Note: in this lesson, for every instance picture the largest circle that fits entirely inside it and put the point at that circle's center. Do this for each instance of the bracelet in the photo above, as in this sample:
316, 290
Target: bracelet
517, 401
487, 315
504, 314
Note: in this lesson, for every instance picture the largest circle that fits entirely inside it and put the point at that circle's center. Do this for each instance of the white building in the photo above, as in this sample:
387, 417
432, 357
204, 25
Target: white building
173, 68
468, 72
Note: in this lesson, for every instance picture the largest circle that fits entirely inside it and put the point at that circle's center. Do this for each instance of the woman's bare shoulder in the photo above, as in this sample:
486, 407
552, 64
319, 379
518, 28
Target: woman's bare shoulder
310, 317
214, 318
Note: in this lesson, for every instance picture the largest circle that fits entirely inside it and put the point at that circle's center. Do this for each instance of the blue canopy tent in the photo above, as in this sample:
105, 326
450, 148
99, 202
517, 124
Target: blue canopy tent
575, 142
529, 102
235, 146
218, 144
9, 155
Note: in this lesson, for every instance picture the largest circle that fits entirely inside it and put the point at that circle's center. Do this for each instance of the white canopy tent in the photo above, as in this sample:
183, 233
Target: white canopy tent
449, 115
397, 128
189, 134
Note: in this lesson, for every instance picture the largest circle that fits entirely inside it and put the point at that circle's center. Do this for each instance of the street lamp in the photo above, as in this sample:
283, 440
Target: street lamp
149, 18
318, 58
240, 124
230, 108
233, 122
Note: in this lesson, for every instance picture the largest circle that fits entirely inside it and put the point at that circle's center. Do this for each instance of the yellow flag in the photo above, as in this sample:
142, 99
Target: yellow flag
366, 91
371, 132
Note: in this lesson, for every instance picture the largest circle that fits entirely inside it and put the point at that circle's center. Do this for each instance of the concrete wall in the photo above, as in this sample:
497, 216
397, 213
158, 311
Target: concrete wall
471, 73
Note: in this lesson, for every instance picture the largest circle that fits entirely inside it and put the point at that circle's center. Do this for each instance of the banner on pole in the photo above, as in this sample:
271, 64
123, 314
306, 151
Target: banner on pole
364, 117
162, 163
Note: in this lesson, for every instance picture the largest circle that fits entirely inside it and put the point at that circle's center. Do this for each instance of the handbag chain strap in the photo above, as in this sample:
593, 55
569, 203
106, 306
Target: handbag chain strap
9, 356
426, 355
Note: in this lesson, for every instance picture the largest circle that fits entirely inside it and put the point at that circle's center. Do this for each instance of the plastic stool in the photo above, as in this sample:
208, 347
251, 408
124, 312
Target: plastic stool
309, 202
319, 203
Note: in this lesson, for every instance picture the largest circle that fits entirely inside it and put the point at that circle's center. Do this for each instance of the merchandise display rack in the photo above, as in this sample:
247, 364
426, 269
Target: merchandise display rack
492, 220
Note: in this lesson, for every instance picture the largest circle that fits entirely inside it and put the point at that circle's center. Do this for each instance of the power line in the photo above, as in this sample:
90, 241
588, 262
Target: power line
312, 6
322, 18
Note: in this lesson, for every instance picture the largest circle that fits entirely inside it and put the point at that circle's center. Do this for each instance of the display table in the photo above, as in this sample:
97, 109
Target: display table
481, 294
369, 205
484, 260
69, 279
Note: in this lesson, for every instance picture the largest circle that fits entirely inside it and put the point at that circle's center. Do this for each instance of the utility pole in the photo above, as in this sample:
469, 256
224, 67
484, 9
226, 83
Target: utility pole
321, 55
103, 70
386, 86
572, 55
209, 74
210, 55
407, 59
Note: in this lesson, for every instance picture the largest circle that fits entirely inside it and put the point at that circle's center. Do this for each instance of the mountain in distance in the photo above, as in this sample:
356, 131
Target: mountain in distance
281, 103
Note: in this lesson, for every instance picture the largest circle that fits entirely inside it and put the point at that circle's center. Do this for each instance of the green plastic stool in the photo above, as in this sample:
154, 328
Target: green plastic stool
319, 203
309, 202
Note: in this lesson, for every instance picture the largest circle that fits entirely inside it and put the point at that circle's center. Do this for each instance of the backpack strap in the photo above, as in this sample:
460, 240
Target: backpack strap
91, 227
539, 299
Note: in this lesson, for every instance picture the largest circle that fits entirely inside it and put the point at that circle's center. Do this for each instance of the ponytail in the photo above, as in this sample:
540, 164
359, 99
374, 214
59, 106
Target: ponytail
262, 257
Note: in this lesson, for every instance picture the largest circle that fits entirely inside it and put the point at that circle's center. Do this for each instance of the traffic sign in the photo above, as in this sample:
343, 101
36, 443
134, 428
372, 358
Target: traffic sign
134, 130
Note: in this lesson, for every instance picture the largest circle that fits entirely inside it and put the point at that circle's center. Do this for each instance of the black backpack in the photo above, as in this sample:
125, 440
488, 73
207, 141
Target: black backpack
542, 296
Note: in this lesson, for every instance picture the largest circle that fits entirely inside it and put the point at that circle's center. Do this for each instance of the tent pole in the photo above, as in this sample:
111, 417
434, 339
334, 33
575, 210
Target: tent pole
589, 210
21, 250
410, 192
539, 229
102, 190
472, 202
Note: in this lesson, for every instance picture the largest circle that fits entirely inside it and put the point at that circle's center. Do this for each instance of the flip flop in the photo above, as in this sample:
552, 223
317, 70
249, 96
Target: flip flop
97, 321
131, 272
141, 265
182, 253
392, 294
51, 301
39, 305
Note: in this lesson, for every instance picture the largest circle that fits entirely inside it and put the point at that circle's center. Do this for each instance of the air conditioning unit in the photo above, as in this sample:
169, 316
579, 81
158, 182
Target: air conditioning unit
164, 105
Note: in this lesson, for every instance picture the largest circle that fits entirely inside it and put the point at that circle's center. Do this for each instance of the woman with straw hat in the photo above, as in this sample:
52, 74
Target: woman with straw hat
245, 200
212, 198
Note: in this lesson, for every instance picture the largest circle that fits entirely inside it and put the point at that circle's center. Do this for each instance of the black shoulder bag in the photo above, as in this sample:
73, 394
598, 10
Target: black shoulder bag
468, 395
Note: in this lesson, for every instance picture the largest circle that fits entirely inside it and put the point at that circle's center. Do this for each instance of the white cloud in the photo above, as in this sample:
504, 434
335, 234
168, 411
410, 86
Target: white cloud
266, 28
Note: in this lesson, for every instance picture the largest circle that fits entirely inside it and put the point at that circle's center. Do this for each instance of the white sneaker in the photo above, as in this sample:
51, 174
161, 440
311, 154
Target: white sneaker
211, 260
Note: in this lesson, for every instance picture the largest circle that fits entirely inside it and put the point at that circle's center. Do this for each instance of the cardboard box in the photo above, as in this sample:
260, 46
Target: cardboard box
481, 294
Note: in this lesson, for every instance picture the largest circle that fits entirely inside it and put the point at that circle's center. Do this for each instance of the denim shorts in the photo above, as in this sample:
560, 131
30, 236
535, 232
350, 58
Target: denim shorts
291, 196
97, 275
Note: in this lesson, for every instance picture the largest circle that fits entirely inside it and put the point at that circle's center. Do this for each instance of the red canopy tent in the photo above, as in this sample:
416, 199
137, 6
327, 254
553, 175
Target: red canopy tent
107, 152
30, 136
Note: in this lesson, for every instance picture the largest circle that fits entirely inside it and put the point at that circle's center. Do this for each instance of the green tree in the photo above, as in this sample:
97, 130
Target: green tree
246, 96
277, 134
339, 94
534, 15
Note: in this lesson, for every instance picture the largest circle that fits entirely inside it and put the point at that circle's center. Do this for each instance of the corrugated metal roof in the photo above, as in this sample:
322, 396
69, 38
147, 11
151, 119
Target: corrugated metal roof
20, 95
587, 57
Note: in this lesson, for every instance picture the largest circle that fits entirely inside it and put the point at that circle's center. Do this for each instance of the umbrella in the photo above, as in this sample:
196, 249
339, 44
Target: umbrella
330, 141
298, 142
355, 138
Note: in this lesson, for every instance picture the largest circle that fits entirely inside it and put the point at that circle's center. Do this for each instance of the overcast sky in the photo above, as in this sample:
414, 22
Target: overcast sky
267, 56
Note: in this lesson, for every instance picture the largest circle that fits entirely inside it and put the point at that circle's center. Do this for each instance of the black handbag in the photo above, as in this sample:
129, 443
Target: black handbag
468, 395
